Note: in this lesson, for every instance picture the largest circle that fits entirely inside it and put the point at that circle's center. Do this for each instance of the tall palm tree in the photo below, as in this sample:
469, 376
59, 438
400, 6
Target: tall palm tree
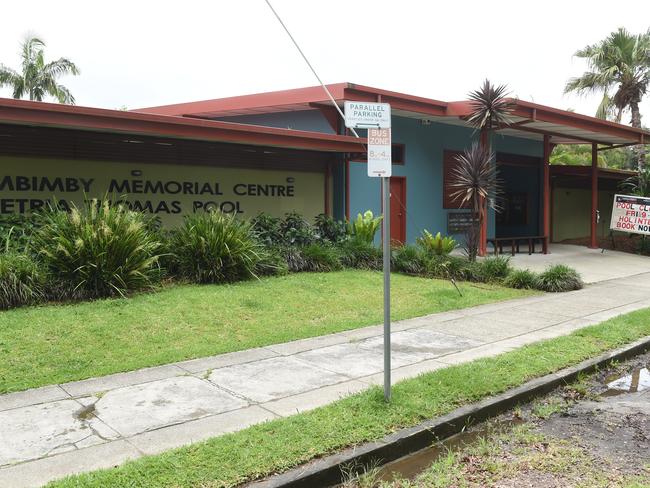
619, 67
38, 78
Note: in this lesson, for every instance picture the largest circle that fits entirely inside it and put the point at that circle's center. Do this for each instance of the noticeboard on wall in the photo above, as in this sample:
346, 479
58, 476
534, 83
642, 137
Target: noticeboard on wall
459, 222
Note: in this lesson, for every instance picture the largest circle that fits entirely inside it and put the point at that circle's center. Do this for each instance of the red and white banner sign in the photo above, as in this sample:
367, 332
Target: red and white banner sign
631, 214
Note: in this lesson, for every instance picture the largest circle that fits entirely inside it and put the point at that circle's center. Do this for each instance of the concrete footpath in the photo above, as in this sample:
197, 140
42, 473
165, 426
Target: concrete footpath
50, 432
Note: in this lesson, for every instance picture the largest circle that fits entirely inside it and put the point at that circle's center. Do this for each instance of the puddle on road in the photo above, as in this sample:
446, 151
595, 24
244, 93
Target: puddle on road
408, 467
638, 380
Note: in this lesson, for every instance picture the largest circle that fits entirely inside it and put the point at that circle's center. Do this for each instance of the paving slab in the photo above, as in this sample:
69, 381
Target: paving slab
309, 400
139, 408
32, 397
425, 343
354, 361
159, 440
48, 428
273, 378
104, 383
36, 473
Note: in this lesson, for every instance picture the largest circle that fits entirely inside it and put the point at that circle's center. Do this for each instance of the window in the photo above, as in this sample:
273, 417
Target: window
515, 209
448, 164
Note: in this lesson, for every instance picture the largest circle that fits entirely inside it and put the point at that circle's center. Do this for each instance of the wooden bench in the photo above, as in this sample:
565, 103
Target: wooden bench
515, 243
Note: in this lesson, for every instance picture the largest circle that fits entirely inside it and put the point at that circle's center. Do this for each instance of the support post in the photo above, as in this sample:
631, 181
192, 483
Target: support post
482, 242
546, 189
593, 241
385, 188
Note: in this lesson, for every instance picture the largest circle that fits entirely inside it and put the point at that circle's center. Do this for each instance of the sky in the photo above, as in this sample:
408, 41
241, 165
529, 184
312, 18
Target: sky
141, 53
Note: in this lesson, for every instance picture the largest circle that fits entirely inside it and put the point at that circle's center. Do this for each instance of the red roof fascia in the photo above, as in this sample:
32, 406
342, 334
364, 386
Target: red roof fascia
86, 118
542, 113
247, 102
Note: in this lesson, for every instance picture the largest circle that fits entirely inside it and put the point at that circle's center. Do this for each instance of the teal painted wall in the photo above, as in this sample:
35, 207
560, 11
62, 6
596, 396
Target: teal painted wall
425, 145
423, 170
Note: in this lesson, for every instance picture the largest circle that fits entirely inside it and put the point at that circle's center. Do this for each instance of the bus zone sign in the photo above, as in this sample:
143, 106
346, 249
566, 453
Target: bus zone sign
631, 214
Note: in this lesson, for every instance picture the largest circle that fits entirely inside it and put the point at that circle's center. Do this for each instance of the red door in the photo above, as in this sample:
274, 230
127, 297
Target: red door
398, 209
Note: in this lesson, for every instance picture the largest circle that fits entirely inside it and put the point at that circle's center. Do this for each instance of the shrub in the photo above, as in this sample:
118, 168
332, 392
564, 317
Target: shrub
295, 230
365, 226
436, 245
330, 230
356, 253
321, 257
294, 258
16, 231
267, 229
409, 259
97, 251
559, 278
520, 278
213, 247
22, 281
447, 267
494, 268
272, 262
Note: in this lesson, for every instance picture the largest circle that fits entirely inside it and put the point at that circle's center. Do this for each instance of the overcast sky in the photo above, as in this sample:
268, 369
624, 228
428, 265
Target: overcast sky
140, 53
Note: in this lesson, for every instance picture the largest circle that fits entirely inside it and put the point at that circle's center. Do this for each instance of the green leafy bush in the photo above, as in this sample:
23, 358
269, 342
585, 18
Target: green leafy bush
296, 231
409, 259
272, 262
321, 257
447, 267
559, 278
357, 253
294, 258
520, 278
16, 231
435, 245
365, 226
97, 251
494, 268
22, 280
214, 247
267, 229
330, 230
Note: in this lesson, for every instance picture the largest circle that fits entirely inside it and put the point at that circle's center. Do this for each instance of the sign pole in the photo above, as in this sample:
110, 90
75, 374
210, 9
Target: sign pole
385, 183
376, 118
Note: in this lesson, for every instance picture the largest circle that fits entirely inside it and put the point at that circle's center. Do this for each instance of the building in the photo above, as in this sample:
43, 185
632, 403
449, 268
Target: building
288, 150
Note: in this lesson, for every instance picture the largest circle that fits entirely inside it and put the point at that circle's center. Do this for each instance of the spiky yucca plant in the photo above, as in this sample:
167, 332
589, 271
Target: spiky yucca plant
98, 250
490, 107
475, 180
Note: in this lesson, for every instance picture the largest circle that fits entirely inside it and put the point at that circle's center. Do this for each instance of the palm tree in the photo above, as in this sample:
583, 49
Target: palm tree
38, 78
620, 62
490, 109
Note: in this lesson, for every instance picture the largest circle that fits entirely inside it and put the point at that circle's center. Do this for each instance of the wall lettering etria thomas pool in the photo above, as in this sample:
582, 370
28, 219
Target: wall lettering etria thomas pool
166, 191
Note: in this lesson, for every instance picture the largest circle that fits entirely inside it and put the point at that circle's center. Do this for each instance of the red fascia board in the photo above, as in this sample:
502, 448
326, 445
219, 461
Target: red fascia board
243, 102
86, 118
275, 101
606, 173
543, 113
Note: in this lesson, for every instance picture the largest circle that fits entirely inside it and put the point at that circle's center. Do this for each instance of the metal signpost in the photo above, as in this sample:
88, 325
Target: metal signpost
376, 118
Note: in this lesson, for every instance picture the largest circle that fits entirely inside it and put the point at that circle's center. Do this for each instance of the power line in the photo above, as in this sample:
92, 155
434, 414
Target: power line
295, 43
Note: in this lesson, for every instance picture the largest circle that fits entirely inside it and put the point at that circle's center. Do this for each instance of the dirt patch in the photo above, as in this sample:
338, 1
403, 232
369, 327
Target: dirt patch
593, 433
630, 244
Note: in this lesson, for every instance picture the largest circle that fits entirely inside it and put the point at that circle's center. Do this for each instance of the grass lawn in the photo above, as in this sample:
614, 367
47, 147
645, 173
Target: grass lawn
280, 444
57, 343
